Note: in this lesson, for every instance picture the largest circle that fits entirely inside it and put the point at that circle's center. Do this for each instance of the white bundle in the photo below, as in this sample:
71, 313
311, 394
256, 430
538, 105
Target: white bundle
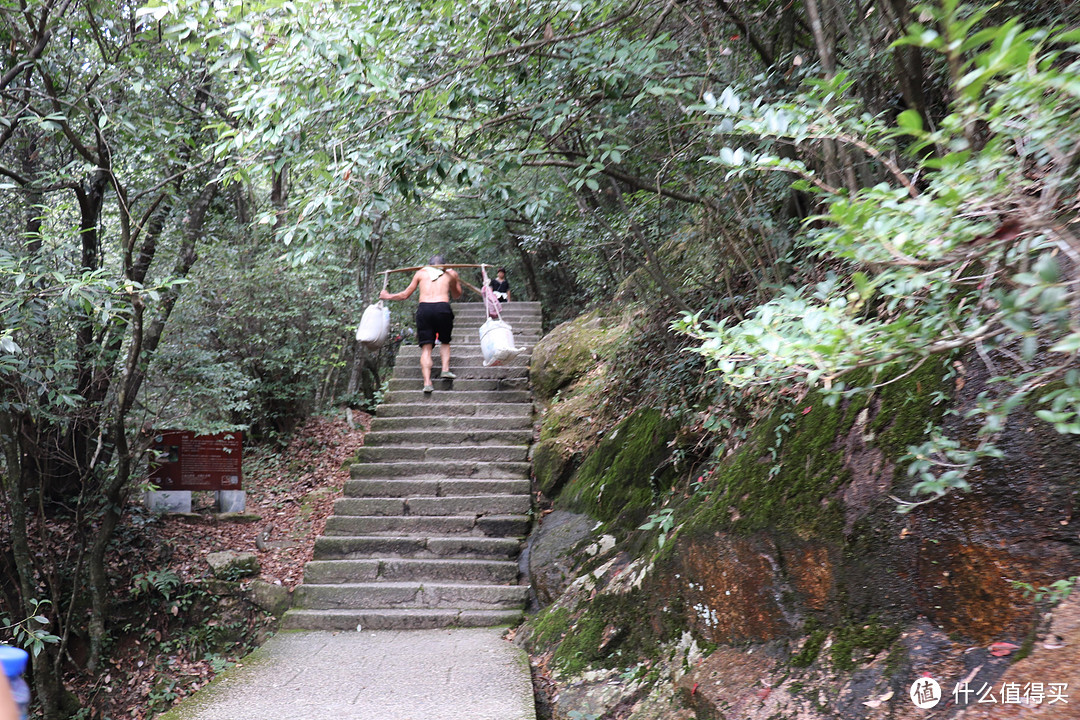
374, 326
497, 342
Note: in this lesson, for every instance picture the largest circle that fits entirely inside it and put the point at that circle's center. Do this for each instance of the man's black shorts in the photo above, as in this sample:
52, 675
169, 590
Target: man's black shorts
434, 320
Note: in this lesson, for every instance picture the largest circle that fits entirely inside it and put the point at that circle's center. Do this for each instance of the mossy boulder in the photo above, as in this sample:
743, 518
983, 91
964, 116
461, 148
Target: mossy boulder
551, 465
624, 474
568, 352
232, 565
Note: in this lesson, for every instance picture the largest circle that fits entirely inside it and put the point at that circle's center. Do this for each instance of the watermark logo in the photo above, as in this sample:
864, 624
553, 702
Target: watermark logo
925, 693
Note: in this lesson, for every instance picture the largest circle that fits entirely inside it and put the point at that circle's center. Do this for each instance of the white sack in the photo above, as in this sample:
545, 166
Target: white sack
374, 326
497, 342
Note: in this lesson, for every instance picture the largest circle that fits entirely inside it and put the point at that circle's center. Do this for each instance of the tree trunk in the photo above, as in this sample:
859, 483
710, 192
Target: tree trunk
526, 265
46, 681
144, 343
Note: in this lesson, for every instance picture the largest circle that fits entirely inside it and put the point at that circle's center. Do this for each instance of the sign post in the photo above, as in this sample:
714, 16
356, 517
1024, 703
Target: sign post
184, 461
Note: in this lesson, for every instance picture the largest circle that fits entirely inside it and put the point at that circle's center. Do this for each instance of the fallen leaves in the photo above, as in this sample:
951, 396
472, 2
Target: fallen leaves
878, 701
1002, 649
292, 491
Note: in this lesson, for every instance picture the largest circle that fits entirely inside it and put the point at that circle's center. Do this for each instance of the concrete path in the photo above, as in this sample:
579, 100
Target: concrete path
459, 674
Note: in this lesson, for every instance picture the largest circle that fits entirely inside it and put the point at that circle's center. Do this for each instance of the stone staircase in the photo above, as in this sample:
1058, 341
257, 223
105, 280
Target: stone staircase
430, 526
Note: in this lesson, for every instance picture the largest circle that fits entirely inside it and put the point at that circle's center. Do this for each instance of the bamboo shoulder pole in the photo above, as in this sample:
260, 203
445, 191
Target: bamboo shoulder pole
441, 267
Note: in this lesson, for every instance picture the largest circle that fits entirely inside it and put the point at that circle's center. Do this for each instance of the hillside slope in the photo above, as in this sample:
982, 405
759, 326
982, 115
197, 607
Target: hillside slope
774, 576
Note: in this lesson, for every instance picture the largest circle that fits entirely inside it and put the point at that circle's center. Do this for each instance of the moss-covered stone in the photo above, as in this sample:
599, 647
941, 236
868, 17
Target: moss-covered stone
613, 631
811, 647
551, 465
564, 354
786, 475
571, 349
623, 475
866, 639
549, 626
906, 406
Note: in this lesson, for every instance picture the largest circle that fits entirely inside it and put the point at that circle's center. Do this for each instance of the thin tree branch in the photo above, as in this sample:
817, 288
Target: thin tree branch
526, 47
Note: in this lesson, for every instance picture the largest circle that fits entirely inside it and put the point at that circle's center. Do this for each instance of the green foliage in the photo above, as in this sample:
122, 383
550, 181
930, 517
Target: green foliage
664, 520
30, 632
934, 257
261, 362
1053, 593
163, 582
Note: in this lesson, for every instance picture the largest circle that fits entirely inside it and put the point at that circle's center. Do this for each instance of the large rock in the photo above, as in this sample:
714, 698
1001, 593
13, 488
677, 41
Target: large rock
232, 565
551, 466
565, 354
274, 599
550, 552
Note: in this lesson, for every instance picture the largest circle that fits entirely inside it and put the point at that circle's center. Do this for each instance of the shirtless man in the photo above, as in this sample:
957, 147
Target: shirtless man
434, 317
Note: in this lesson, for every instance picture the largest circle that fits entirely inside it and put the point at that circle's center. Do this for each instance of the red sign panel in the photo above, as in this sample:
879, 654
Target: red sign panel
186, 461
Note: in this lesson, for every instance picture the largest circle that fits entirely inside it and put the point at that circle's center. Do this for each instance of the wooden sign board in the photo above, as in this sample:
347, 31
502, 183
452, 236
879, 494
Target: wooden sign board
183, 460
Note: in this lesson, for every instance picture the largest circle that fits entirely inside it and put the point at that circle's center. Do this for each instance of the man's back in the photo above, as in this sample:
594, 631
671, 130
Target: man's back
439, 289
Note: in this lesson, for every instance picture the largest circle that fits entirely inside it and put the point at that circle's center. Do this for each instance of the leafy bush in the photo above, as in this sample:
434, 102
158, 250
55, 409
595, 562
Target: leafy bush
962, 244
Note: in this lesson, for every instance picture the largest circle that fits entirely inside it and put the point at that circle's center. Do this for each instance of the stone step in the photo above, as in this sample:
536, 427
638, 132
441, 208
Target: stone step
465, 336
467, 342
435, 423
526, 323
411, 487
479, 310
517, 323
474, 371
469, 334
445, 395
377, 437
438, 470
328, 547
468, 352
442, 453
326, 572
454, 408
461, 384
427, 619
362, 596
497, 526
454, 505
518, 305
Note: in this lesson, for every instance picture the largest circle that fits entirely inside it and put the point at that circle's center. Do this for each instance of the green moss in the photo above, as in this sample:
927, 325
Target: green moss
581, 647
570, 350
870, 638
796, 490
619, 477
907, 405
894, 663
548, 627
623, 625
550, 466
810, 649
793, 491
